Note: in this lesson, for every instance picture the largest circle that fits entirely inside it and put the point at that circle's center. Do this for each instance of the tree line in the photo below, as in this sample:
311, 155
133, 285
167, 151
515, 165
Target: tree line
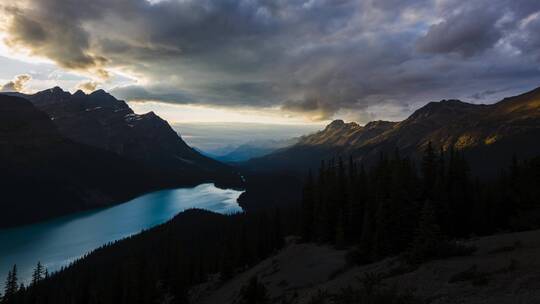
394, 206
158, 265
398, 206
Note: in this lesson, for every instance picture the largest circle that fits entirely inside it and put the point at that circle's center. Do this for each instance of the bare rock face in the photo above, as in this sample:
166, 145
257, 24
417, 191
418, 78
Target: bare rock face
488, 134
102, 121
43, 174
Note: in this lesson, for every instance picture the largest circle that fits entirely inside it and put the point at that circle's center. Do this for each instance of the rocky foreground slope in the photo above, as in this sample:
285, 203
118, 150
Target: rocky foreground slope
504, 269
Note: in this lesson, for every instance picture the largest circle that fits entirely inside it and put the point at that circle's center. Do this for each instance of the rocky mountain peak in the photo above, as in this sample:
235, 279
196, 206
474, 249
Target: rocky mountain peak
79, 93
378, 124
56, 90
340, 124
104, 122
50, 96
99, 92
441, 110
102, 95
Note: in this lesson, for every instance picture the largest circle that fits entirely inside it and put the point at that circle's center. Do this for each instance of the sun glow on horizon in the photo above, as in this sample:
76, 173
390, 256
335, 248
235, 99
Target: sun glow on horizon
189, 113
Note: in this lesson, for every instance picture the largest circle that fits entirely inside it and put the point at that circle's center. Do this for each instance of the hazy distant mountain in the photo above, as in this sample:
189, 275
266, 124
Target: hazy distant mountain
100, 120
43, 174
255, 148
220, 138
488, 134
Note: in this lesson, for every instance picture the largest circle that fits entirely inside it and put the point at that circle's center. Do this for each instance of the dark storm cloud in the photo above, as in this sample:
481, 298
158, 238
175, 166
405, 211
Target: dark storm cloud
527, 39
468, 32
140, 93
313, 57
472, 27
51, 35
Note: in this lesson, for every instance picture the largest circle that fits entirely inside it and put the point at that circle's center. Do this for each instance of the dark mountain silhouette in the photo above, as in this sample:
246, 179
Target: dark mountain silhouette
488, 134
102, 121
44, 174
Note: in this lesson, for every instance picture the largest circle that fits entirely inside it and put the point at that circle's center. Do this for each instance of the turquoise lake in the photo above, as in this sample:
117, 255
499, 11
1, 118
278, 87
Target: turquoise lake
57, 242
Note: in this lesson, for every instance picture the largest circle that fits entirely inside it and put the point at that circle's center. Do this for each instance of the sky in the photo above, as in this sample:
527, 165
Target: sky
220, 138
274, 61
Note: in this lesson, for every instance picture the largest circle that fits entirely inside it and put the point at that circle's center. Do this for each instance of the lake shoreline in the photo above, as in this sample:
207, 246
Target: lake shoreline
57, 242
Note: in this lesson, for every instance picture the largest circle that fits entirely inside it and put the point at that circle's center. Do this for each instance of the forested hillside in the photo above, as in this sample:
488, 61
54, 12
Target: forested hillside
396, 207
392, 207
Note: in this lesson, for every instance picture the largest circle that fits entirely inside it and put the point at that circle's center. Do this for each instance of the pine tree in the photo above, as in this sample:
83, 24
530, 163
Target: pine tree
14, 280
428, 237
277, 230
38, 273
320, 215
11, 287
352, 170
308, 210
245, 250
7, 290
340, 231
429, 170
383, 231
263, 237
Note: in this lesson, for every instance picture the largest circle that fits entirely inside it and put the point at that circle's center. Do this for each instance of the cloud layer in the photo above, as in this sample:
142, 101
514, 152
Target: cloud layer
317, 58
17, 84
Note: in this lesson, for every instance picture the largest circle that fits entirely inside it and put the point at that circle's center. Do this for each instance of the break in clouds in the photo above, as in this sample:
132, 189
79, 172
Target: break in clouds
312, 57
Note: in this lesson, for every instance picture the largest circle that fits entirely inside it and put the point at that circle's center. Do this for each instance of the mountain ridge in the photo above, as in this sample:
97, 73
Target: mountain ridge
100, 120
44, 174
506, 127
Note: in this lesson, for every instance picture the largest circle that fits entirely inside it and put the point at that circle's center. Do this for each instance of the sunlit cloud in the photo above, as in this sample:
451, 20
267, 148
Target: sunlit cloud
307, 60
205, 114
88, 86
17, 84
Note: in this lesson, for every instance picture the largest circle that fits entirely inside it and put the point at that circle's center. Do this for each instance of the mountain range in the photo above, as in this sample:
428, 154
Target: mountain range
487, 134
253, 149
88, 150
102, 121
79, 151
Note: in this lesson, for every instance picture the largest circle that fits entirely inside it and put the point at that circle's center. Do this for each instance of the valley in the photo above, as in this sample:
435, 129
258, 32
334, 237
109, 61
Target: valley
269, 152
327, 206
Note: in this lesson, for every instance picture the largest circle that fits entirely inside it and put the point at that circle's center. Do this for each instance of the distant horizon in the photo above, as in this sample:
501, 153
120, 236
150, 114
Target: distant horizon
220, 138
